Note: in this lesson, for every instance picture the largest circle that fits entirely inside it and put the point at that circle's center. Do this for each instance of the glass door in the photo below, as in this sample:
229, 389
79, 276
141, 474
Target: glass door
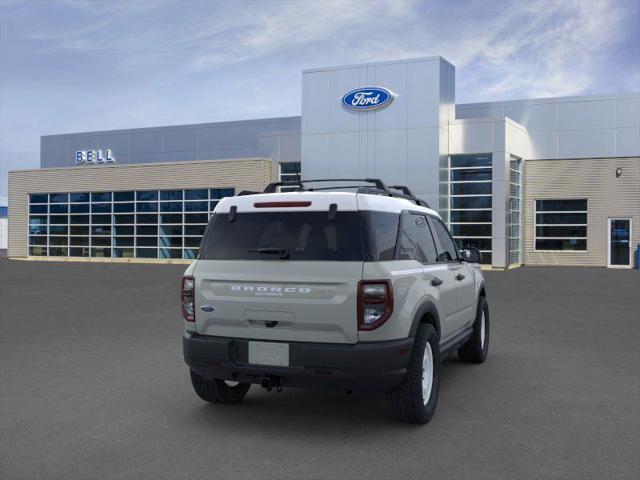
619, 243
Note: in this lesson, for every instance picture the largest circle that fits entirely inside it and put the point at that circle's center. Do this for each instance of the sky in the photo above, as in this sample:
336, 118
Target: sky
73, 66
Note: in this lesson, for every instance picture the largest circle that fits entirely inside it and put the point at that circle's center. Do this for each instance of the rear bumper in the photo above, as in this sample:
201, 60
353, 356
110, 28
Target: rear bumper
365, 367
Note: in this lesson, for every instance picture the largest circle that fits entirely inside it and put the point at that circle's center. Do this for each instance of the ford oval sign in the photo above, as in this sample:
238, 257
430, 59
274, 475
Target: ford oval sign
368, 98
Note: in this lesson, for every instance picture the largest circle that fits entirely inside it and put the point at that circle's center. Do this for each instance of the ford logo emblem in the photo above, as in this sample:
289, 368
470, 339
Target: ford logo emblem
368, 98
207, 308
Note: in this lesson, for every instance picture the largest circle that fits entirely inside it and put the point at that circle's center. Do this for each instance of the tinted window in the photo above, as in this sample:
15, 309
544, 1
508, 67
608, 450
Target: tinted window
471, 216
414, 240
171, 195
561, 244
58, 198
561, 205
101, 197
123, 196
562, 218
381, 233
79, 197
475, 174
80, 208
471, 188
305, 236
446, 248
471, 230
196, 194
38, 197
478, 160
150, 195
471, 202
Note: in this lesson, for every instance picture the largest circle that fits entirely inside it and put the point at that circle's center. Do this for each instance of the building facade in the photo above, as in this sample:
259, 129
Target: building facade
542, 182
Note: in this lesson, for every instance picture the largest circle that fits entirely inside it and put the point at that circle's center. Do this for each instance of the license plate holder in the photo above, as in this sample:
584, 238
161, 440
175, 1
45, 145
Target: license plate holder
269, 353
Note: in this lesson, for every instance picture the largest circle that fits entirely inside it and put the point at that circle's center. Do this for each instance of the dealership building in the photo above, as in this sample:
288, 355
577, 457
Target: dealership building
551, 181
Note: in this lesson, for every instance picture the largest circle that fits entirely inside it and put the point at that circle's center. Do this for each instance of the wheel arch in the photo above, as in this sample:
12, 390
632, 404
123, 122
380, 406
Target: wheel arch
426, 313
482, 291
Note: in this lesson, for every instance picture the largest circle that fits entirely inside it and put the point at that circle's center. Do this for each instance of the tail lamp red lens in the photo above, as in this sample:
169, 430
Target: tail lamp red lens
375, 303
187, 298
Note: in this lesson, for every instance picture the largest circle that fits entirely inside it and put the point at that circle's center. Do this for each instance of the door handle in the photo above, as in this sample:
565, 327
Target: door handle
436, 282
460, 277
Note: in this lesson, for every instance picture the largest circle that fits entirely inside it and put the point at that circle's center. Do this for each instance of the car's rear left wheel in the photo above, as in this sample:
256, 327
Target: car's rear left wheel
414, 401
219, 391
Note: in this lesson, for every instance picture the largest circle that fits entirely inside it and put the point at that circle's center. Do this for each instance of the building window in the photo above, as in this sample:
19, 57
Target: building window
470, 190
561, 225
130, 224
289, 173
513, 215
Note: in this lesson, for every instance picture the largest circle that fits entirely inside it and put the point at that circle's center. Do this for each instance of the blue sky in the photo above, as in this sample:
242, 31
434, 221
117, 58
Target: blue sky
70, 66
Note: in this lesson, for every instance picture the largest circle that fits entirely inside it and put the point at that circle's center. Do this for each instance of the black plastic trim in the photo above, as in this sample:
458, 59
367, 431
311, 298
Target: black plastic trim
430, 308
365, 366
456, 341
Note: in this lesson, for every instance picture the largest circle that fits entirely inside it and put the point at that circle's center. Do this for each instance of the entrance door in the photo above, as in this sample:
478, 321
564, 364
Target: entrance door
619, 243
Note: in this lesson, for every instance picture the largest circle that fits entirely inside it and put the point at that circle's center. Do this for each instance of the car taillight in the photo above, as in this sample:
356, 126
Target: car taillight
187, 295
375, 303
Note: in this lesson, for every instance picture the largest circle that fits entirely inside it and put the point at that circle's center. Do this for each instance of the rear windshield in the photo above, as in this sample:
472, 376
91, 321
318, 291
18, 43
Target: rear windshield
303, 235
350, 236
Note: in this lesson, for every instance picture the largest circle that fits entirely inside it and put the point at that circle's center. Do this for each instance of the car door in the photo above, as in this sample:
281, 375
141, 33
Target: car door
416, 242
462, 275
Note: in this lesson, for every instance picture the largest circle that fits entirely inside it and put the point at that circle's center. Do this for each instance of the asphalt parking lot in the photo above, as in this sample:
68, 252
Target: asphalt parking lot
92, 385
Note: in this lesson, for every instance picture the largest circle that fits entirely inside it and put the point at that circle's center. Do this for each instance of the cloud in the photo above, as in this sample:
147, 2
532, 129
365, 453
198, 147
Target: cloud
85, 65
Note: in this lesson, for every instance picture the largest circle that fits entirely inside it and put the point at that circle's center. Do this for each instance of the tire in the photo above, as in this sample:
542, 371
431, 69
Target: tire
475, 349
407, 402
218, 391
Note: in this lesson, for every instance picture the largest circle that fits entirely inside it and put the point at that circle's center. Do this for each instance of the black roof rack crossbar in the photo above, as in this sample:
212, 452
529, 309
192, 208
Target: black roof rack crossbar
376, 181
378, 187
273, 187
246, 192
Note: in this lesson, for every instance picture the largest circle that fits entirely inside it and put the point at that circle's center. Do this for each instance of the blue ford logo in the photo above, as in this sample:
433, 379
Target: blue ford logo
368, 98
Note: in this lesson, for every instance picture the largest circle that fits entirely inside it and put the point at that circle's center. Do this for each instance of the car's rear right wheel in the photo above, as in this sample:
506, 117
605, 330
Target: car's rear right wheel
219, 391
414, 401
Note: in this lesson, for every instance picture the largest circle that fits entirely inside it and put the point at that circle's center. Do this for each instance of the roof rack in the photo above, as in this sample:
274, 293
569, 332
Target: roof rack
376, 187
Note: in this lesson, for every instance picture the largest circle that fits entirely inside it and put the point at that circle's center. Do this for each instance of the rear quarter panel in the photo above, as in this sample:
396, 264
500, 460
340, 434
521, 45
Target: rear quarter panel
410, 291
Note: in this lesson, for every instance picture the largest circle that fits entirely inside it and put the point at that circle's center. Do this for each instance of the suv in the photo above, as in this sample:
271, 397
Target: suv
360, 290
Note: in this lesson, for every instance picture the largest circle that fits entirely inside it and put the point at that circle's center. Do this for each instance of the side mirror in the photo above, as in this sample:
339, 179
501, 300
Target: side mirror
471, 255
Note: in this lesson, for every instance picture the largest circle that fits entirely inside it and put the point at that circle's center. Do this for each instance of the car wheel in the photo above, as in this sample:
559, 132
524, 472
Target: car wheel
219, 391
414, 401
476, 348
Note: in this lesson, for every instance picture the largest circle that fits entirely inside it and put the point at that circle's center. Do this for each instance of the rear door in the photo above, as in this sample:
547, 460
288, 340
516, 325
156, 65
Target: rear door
279, 272
416, 242
460, 275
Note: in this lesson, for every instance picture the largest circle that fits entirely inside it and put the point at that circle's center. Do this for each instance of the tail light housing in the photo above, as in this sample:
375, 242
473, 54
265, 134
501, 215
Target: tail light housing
187, 298
375, 303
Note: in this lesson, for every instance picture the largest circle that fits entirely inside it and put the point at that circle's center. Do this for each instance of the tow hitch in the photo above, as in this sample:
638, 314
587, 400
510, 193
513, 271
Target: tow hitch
269, 383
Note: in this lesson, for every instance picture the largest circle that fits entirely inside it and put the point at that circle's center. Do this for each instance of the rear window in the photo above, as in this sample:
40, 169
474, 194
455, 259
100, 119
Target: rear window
350, 236
303, 235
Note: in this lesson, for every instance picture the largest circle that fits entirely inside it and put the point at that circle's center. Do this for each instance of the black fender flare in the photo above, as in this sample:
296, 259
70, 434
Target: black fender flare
482, 290
427, 307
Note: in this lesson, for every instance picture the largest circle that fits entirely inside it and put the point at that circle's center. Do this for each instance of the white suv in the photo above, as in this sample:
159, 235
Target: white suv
359, 290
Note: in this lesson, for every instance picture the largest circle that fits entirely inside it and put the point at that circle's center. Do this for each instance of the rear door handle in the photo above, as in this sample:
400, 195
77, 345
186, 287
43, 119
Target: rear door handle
436, 282
460, 277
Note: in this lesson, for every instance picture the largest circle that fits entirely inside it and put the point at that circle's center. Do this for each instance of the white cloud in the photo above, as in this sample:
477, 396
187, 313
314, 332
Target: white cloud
118, 64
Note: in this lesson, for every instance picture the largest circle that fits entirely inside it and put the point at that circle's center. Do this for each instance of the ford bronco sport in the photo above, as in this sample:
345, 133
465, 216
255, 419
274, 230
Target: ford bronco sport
359, 290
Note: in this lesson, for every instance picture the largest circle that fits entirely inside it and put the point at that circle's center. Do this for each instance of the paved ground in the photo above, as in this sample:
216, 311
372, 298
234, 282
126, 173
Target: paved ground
92, 385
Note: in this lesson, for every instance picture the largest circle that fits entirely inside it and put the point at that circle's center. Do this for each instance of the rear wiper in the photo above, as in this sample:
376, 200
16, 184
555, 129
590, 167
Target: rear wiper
283, 252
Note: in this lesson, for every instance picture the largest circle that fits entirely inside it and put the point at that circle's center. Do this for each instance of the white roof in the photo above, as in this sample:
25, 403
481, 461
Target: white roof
319, 201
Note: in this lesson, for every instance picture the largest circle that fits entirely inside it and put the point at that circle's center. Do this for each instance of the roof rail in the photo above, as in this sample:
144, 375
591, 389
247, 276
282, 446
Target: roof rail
377, 188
